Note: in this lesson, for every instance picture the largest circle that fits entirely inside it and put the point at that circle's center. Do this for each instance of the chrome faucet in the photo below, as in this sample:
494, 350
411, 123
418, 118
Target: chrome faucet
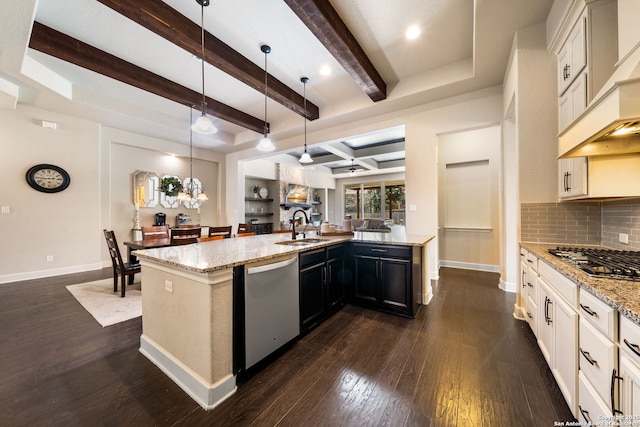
306, 218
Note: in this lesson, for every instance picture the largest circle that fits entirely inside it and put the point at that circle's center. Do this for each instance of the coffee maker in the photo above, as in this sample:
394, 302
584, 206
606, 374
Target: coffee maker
161, 218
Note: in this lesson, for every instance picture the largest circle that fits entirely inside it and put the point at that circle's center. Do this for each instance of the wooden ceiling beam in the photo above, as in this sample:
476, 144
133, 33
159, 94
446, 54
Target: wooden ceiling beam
163, 20
62, 46
325, 23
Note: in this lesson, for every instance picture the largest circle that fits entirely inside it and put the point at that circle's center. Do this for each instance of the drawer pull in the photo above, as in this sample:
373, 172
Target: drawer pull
634, 347
585, 415
529, 284
529, 261
587, 356
379, 250
529, 315
588, 310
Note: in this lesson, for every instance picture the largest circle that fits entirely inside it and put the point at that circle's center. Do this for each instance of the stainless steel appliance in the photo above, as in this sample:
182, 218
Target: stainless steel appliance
596, 262
271, 307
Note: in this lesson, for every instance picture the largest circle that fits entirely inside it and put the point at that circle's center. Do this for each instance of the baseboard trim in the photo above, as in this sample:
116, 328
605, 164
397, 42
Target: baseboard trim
206, 395
470, 266
30, 275
508, 286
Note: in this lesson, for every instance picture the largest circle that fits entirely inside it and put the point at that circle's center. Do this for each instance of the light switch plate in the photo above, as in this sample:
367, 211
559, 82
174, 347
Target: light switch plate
623, 238
6, 209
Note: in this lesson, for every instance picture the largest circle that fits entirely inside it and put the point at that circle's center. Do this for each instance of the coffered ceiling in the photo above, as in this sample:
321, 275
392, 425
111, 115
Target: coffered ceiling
134, 64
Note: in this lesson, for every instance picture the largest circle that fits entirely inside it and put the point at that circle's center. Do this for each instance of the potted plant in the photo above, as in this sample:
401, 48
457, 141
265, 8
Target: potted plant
256, 189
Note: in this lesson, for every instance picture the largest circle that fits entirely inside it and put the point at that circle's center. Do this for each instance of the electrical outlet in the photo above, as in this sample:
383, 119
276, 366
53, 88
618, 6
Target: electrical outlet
623, 238
168, 286
6, 209
49, 258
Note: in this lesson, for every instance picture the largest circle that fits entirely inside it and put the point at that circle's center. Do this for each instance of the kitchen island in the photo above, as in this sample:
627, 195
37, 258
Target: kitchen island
187, 304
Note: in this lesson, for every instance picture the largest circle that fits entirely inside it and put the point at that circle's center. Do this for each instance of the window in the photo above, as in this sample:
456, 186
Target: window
365, 201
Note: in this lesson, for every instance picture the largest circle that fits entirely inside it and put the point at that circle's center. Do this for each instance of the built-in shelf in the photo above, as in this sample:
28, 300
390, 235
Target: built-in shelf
257, 199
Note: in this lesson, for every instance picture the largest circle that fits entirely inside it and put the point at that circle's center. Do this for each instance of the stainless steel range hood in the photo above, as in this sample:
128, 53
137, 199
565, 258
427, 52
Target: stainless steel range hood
611, 123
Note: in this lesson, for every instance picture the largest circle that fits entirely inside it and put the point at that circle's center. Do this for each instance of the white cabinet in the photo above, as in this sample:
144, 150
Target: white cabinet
558, 339
573, 102
599, 362
572, 57
572, 177
629, 367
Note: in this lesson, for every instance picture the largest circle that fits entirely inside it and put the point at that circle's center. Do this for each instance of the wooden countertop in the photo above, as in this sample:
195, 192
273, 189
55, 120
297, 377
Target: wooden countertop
227, 253
623, 295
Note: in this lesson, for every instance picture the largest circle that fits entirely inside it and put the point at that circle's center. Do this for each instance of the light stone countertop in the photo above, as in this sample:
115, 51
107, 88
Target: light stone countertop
227, 253
623, 295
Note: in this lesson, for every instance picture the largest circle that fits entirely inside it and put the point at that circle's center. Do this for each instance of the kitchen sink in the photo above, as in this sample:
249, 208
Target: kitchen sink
301, 242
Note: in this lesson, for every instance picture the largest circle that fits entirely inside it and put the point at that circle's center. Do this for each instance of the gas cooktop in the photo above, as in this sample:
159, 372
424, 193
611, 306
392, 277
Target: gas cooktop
608, 263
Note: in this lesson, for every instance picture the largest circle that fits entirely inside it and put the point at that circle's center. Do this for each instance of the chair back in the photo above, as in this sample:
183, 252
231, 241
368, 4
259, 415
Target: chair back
210, 238
184, 236
225, 231
188, 226
244, 228
114, 251
155, 232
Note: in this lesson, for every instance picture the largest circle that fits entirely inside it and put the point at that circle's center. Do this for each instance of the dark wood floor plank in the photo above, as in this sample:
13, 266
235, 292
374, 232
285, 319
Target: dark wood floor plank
464, 361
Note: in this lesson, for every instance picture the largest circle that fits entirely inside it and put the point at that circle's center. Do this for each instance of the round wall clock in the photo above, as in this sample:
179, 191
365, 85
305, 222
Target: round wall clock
264, 193
48, 178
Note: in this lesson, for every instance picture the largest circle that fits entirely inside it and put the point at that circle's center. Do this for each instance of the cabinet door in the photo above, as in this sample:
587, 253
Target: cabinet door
367, 287
545, 321
565, 348
572, 174
311, 295
336, 279
395, 284
630, 387
573, 102
572, 58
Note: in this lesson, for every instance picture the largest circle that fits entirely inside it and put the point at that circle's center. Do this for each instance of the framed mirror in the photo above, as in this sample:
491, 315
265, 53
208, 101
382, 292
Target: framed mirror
197, 188
146, 189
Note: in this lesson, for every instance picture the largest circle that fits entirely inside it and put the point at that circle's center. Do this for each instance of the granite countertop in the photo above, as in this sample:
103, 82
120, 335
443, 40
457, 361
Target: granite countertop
623, 295
227, 253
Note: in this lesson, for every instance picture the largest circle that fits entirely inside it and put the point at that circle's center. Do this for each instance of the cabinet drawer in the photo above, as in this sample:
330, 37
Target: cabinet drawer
598, 358
312, 257
591, 408
532, 285
337, 251
562, 285
532, 261
382, 251
630, 339
600, 315
523, 254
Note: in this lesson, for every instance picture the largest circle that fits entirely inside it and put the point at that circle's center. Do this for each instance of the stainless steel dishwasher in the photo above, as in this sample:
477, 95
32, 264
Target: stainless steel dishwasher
272, 307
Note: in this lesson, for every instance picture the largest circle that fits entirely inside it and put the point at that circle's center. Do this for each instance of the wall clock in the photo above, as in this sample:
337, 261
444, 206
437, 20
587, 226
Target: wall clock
48, 178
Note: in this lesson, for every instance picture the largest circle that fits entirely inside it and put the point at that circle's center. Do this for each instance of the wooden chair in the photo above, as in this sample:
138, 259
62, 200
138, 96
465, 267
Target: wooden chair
220, 231
155, 232
184, 236
188, 226
210, 238
251, 233
119, 267
244, 228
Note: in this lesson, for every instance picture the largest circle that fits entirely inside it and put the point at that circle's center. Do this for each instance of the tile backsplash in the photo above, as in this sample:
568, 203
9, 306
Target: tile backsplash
582, 223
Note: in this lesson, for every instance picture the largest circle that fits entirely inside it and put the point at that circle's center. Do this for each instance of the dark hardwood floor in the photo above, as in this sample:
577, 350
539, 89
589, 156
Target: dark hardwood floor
464, 361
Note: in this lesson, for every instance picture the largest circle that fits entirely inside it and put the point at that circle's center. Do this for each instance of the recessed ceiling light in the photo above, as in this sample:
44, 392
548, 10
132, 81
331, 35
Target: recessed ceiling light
325, 70
412, 32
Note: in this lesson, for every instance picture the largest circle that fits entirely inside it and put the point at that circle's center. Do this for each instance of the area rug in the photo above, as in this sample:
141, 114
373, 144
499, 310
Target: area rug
105, 305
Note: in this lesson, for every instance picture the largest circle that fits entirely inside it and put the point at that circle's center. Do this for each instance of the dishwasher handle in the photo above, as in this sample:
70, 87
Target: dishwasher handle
272, 266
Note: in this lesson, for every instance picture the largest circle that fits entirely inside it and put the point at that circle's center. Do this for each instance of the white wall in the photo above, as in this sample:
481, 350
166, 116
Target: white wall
100, 160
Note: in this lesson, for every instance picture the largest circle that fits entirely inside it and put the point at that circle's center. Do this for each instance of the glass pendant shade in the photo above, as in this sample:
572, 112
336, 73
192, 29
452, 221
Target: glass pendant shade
265, 144
306, 158
204, 125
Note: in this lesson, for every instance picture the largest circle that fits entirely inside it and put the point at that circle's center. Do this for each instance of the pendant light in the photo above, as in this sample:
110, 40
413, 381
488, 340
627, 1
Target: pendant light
305, 158
203, 124
188, 193
265, 143
352, 169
